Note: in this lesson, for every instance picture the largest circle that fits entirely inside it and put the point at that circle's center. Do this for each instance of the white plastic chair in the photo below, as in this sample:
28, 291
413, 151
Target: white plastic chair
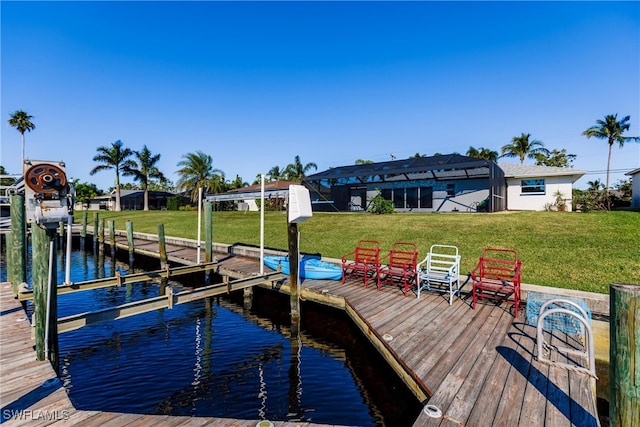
440, 271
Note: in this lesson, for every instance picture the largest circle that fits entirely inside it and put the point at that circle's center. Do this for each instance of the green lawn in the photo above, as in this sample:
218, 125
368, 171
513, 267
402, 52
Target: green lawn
585, 251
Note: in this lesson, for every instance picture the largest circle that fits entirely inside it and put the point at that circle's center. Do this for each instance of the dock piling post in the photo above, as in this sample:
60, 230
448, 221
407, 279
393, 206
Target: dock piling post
18, 241
101, 236
162, 247
95, 232
624, 357
83, 230
208, 239
130, 241
112, 237
293, 276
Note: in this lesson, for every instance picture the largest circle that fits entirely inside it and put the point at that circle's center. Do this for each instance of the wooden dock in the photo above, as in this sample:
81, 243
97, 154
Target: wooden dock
477, 367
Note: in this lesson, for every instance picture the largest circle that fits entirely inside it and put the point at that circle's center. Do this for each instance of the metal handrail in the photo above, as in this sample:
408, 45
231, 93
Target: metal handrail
583, 318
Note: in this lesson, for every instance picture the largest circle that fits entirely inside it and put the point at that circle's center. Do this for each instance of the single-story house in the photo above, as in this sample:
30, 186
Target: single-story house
444, 183
635, 187
538, 188
129, 200
276, 193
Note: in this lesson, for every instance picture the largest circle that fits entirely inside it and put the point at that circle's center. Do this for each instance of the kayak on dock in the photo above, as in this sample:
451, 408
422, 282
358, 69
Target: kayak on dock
310, 267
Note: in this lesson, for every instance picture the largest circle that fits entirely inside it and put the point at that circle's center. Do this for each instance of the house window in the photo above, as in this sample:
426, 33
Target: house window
451, 190
532, 186
412, 197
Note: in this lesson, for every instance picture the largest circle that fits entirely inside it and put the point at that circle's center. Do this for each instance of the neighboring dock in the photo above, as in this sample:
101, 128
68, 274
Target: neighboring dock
475, 366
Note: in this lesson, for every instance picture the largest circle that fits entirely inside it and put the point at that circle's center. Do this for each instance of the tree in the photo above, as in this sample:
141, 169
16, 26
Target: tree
296, 171
144, 171
85, 192
21, 121
522, 147
611, 130
196, 172
555, 158
236, 183
482, 153
363, 162
115, 157
6, 181
274, 173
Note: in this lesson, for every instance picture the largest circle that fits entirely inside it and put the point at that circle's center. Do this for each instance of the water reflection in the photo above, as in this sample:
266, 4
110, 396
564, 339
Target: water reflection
222, 357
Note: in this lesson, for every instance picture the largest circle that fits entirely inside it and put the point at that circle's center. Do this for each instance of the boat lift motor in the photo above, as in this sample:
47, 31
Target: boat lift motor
49, 195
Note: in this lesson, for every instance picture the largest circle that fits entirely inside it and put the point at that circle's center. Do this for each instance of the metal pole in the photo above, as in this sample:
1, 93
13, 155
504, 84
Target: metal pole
262, 225
67, 270
199, 224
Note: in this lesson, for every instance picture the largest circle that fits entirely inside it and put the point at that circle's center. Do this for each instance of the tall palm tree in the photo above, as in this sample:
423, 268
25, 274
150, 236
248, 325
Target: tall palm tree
21, 121
114, 157
522, 147
482, 153
274, 173
144, 171
197, 171
611, 129
296, 171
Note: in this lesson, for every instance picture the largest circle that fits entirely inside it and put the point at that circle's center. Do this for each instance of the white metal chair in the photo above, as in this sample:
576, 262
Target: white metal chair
440, 271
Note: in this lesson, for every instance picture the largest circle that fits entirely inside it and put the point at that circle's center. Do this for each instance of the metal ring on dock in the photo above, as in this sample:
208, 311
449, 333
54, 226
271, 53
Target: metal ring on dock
432, 411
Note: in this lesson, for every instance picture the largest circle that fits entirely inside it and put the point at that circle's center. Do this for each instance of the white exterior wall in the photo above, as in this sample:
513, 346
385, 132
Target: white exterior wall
635, 190
517, 201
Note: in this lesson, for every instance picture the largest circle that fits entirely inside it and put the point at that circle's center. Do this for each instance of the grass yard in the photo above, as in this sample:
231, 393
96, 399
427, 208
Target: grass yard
585, 251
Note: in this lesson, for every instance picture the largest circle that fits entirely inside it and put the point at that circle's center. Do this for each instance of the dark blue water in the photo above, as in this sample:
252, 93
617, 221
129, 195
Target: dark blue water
218, 358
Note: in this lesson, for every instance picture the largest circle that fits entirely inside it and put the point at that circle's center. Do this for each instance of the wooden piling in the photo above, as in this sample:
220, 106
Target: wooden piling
101, 235
8, 245
293, 275
95, 231
83, 230
624, 357
162, 247
129, 226
208, 240
18, 241
208, 232
43, 243
112, 237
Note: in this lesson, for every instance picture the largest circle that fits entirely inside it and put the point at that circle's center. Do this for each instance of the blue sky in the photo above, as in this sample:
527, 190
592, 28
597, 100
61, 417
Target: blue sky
254, 84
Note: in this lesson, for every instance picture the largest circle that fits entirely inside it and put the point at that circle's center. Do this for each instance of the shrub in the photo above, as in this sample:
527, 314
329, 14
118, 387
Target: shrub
380, 205
174, 203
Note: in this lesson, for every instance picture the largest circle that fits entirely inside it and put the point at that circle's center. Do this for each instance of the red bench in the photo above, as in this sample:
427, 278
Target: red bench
400, 268
497, 277
365, 263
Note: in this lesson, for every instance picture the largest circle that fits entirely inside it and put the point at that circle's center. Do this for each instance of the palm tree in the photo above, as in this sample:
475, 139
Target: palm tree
296, 171
21, 121
114, 157
274, 173
521, 147
482, 153
144, 170
611, 129
198, 172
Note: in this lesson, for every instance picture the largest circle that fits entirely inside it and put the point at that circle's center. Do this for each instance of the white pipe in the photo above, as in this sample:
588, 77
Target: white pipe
67, 272
262, 225
48, 311
199, 223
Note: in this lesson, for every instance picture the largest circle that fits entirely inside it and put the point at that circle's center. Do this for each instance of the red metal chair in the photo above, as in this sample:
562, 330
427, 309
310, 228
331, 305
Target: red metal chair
365, 263
400, 267
497, 276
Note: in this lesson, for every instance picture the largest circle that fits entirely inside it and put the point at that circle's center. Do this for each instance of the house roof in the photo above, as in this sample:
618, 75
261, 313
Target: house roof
516, 170
449, 166
633, 172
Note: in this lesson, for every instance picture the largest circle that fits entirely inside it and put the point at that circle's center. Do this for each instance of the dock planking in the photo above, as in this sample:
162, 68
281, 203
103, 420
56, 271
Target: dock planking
477, 365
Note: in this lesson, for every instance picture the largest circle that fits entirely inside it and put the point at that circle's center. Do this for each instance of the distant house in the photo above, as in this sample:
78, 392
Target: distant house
635, 187
534, 188
129, 200
276, 194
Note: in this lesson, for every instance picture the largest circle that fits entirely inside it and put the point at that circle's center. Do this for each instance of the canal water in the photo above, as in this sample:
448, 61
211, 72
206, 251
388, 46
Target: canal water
220, 358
